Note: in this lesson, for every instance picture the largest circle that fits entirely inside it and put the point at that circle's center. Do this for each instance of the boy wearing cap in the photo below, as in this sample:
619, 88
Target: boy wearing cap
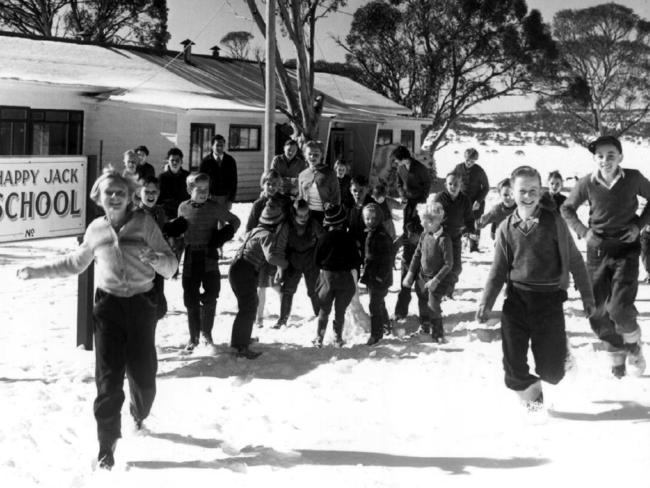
338, 258
613, 248
261, 246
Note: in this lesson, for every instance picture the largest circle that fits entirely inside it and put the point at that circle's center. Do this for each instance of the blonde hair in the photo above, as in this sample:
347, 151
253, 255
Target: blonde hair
194, 178
110, 173
129, 154
431, 209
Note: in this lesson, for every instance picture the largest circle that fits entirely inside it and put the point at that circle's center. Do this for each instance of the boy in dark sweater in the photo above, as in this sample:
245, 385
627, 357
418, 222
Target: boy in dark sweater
475, 185
342, 170
613, 248
337, 256
534, 254
414, 182
148, 193
377, 270
501, 210
173, 183
379, 194
458, 220
361, 198
431, 267
303, 233
209, 226
555, 183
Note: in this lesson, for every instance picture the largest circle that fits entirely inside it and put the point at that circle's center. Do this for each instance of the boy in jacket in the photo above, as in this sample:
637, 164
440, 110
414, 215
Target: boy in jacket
377, 270
431, 267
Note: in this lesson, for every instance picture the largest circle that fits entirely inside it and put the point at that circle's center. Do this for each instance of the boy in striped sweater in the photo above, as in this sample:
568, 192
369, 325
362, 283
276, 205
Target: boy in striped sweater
203, 237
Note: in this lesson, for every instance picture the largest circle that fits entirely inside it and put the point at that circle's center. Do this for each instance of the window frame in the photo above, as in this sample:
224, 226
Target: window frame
245, 126
29, 121
411, 146
200, 127
380, 135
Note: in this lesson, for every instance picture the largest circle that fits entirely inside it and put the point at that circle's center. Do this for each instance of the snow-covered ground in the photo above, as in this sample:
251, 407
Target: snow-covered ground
407, 413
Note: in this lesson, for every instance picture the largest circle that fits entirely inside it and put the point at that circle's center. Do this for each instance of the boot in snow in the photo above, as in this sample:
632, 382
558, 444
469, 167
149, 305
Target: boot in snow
106, 458
635, 360
617, 360
437, 331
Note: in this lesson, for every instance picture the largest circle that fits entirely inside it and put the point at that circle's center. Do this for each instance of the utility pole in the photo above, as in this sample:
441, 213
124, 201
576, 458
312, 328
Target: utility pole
269, 105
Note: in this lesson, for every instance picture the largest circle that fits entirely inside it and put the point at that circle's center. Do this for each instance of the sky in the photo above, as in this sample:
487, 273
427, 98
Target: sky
207, 21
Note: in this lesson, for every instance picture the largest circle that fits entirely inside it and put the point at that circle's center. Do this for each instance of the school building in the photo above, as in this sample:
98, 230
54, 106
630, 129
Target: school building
67, 97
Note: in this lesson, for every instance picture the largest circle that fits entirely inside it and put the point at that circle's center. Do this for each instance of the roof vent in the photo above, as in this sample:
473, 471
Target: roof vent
187, 50
215, 51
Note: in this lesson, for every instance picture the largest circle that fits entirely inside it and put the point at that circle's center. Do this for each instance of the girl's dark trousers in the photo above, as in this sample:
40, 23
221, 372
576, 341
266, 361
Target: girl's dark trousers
124, 343
535, 318
243, 281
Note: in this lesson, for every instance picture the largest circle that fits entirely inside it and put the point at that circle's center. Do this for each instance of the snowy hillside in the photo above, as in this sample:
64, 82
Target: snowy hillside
407, 413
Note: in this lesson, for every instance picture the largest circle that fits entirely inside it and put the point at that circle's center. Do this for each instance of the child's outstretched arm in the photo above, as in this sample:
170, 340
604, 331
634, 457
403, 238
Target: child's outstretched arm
497, 275
74, 263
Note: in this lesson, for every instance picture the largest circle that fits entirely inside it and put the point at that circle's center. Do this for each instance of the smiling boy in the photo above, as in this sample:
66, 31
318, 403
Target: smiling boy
613, 249
534, 254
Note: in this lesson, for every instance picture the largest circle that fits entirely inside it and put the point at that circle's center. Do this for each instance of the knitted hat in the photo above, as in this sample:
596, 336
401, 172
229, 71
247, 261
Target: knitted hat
334, 215
272, 214
602, 140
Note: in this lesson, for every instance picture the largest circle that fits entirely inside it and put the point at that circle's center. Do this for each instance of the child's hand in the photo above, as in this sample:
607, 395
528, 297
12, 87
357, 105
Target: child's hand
408, 280
279, 274
631, 233
148, 256
592, 239
589, 309
476, 205
482, 314
26, 273
432, 284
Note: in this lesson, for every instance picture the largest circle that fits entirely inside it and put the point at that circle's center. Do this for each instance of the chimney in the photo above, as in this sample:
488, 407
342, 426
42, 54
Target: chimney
215, 51
187, 50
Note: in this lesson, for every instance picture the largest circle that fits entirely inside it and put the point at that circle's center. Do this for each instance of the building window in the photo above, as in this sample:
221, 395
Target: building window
200, 138
40, 132
407, 138
56, 132
384, 137
244, 137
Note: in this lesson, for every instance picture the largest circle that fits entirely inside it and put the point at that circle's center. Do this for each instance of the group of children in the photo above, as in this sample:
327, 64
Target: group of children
305, 231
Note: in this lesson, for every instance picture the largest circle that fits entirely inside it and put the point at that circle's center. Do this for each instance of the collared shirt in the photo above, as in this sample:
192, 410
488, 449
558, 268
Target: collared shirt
527, 223
596, 177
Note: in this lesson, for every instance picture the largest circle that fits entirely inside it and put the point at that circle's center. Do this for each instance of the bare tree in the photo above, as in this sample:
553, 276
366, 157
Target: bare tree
142, 22
298, 20
602, 82
238, 43
35, 17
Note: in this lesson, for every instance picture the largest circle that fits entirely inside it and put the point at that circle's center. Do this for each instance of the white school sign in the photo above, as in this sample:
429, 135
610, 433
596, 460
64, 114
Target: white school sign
42, 197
